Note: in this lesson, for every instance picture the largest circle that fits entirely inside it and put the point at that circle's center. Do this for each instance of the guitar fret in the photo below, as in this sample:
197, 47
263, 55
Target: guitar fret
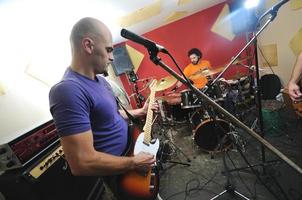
148, 125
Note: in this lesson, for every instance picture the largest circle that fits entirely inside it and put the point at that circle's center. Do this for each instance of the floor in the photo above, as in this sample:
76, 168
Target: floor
206, 176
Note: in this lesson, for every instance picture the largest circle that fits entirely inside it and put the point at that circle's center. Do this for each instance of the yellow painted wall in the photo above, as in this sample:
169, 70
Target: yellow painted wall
287, 23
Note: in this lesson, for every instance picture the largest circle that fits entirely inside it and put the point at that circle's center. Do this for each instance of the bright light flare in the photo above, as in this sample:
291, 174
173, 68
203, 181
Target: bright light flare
248, 4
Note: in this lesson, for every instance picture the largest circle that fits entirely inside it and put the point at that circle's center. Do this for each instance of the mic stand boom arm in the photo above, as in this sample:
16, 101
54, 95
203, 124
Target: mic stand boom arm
273, 11
157, 61
243, 49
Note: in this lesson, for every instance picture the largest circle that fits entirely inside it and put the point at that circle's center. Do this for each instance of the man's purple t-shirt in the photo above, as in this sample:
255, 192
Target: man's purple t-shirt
79, 104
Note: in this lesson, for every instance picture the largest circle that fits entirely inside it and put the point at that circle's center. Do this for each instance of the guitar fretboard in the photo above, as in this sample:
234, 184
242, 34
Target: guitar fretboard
148, 125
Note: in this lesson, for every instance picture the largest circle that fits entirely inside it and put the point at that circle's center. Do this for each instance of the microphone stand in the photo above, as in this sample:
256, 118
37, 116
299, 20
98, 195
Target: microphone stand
243, 49
157, 61
273, 13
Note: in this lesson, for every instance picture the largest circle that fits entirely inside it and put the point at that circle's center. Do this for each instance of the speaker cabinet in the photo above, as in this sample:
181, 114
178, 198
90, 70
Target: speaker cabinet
56, 182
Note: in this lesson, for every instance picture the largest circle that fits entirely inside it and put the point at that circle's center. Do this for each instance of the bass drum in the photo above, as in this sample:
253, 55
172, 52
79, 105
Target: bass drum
211, 135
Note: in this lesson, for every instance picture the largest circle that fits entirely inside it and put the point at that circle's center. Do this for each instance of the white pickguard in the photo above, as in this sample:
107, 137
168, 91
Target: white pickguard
140, 146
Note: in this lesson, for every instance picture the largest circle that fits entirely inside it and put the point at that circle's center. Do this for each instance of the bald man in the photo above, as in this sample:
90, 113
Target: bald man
93, 132
294, 89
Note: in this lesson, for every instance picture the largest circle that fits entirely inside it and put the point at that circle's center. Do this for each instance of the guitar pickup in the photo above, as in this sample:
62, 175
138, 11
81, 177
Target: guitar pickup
151, 186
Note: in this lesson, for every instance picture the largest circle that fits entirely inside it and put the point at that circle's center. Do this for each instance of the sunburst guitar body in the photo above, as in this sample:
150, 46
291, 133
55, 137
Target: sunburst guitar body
136, 185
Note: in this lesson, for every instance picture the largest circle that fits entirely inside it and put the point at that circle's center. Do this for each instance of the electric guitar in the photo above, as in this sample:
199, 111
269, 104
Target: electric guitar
133, 184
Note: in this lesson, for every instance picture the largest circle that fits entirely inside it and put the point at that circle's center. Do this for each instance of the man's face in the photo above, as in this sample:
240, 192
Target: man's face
194, 59
103, 54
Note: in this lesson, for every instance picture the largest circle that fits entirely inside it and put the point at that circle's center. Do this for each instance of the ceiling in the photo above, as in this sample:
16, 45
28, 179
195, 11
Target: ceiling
146, 15
37, 31
139, 16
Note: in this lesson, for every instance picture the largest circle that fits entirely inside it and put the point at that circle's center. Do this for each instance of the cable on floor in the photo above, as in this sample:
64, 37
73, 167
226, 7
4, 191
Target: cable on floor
188, 190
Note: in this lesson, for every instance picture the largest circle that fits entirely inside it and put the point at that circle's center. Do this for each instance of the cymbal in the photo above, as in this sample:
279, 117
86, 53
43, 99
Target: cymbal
165, 83
240, 60
239, 75
206, 72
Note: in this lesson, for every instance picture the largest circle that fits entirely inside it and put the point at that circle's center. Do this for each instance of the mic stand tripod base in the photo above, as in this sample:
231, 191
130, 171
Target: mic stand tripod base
231, 190
175, 149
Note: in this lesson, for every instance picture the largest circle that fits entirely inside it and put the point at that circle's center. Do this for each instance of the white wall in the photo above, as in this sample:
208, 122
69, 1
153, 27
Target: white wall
280, 32
23, 107
34, 38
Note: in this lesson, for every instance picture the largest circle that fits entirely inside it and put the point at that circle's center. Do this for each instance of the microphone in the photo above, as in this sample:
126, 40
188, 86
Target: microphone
150, 45
274, 9
278, 5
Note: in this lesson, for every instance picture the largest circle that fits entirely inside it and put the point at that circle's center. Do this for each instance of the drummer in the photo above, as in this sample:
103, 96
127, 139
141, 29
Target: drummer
197, 65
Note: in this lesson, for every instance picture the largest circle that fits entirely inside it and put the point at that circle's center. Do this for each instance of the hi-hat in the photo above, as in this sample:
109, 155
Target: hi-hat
165, 83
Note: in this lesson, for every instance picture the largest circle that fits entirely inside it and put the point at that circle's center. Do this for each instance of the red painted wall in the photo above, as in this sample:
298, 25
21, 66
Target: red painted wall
179, 37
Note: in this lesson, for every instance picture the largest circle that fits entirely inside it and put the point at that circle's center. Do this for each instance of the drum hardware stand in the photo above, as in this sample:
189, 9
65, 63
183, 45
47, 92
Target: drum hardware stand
132, 79
240, 148
273, 13
154, 49
229, 187
174, 148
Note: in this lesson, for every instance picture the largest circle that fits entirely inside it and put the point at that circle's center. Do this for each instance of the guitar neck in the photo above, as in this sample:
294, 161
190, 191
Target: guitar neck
148, 125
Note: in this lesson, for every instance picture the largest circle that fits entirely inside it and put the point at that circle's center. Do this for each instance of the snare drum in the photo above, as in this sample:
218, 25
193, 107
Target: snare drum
189, 100
211, 135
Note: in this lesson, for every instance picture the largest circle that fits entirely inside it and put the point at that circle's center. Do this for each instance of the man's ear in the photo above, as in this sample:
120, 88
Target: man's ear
87, 44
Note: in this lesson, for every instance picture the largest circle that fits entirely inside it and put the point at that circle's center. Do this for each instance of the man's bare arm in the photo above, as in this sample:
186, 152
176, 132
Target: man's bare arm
84, 160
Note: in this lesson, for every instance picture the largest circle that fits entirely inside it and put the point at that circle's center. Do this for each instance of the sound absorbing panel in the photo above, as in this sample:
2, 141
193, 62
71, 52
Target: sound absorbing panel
122, 62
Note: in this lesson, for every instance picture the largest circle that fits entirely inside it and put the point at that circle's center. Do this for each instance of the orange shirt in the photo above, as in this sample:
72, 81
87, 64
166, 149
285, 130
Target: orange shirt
198, 81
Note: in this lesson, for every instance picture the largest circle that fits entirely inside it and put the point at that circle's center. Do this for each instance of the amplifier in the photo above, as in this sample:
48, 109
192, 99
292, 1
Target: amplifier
47, 179
28, 147
33, 167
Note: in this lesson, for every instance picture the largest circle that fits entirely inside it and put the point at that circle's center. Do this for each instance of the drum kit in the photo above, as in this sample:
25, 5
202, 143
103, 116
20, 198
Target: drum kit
185, 107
